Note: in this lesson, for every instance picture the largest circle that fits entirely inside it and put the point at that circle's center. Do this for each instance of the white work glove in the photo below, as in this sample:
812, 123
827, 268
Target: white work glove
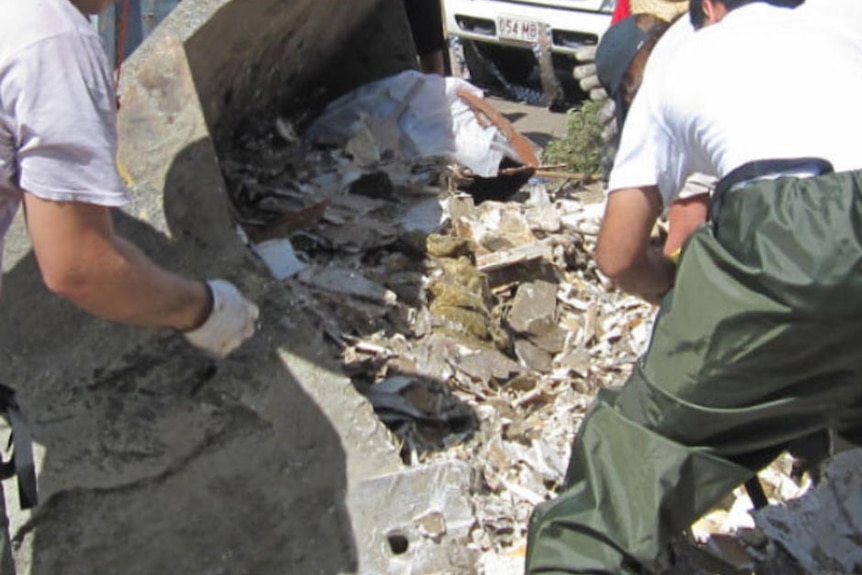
610, 139
585, 73
608, 120
231, 321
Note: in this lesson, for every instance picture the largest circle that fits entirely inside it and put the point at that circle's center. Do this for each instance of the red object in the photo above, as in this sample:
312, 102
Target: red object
121, 46
622, 10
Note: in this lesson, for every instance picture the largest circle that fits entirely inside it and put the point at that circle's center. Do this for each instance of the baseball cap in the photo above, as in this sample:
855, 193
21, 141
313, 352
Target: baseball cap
614, 54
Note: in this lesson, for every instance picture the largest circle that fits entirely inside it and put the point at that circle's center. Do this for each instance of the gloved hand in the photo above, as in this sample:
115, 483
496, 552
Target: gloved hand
585, 73
588, 79
231, 321
608, 119
609, 151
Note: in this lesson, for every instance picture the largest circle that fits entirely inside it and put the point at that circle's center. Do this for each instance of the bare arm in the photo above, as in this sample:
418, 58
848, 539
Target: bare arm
684, 216
624, 253
82, 260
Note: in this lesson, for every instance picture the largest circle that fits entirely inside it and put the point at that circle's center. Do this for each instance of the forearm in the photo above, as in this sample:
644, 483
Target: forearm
82, 260
624, 252
684, 217
650, 276
127, 287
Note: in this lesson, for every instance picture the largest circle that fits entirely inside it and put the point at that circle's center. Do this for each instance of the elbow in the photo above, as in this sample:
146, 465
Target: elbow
74, 285
610, 269
612, 263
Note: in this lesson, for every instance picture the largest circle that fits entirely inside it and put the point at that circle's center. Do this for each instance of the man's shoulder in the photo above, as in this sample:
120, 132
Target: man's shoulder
29, 22
678, 32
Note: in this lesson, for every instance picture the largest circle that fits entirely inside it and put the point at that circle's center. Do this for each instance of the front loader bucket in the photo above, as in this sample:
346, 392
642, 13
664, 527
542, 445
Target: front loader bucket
212, 69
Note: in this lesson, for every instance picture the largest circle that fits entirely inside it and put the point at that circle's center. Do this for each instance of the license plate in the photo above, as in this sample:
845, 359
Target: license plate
517, 29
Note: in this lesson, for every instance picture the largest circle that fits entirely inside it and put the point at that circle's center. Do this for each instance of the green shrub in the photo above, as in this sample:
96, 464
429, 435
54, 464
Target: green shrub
581, 148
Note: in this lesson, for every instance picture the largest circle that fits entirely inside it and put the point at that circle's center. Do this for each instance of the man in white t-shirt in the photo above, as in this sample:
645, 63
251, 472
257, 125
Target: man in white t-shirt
755, 346
58, 144
631, 49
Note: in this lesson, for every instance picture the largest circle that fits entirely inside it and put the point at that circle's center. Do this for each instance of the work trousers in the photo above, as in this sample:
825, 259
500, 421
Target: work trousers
7, 564
20, 469
426, 25
757, 345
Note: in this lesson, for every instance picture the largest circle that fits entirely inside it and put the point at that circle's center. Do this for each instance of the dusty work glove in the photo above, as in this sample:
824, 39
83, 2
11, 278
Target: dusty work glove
608, 120
586, 75
231, 321
610, 138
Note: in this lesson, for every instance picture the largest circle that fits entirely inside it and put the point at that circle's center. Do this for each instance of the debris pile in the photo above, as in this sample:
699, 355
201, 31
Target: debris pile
478, 328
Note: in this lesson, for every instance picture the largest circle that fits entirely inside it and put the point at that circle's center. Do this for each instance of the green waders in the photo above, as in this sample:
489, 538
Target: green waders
759, 344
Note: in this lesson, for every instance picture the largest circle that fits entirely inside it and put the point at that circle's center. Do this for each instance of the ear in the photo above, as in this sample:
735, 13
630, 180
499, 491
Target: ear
713, 11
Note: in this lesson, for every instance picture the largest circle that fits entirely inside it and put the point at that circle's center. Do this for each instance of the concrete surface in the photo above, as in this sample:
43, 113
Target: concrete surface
537, 123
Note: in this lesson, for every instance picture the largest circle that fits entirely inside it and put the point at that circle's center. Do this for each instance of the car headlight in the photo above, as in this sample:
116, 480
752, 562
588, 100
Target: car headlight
608, 6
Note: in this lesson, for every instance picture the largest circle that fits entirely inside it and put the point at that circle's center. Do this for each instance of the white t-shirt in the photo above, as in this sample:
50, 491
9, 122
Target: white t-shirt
633, 151
765, 82
845, 14
58, 133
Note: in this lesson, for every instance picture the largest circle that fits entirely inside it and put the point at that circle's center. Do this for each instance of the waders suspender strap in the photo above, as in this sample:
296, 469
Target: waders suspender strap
21, 461
760, 169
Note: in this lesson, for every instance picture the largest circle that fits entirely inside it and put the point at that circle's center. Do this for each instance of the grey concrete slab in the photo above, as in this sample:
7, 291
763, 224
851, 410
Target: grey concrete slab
416, 522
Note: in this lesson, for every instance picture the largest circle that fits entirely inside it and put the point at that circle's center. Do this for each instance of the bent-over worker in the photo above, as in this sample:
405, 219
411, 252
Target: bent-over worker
756, 342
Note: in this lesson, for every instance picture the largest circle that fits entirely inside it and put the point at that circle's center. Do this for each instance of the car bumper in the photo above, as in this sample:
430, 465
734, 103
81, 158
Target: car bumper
570, 29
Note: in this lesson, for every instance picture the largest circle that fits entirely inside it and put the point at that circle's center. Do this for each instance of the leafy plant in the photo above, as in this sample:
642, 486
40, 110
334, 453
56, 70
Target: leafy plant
581, 148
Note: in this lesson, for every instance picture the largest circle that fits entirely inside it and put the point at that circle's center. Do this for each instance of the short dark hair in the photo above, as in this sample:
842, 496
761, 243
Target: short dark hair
695, 10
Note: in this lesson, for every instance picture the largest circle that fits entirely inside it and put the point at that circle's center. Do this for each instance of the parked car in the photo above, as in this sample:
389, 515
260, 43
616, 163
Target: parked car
500, 38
